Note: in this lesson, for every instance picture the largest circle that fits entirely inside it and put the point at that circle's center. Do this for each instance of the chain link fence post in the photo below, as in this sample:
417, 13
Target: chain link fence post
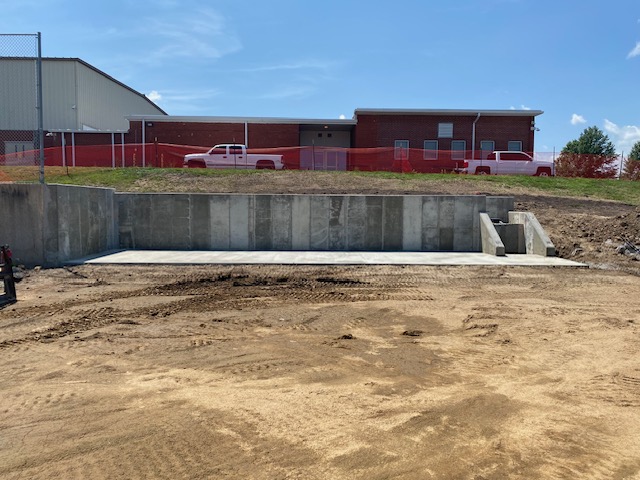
22, 113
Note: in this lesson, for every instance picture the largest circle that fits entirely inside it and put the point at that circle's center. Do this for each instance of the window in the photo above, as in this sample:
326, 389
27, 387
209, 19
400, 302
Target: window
458, 149
486, 147
514, 146
517, 156
445, 130
430, 150
401, 149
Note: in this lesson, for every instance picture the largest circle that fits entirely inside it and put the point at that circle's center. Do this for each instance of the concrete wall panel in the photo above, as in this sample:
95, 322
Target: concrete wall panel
466, 211
338, 227
300, 218
374, 228
281, 222
412, 223
50, 224
263, 234
499, 207
429, 224
217, 217
319, 222
446, 222
240, 211
200, 222
393, 220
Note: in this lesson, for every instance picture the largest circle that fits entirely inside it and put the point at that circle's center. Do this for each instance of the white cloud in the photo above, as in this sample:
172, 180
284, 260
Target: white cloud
154, 96
287, 92
301, 65
524, 107
342, 117
635, 52
189, 102
623, 137
577, 119
203, 34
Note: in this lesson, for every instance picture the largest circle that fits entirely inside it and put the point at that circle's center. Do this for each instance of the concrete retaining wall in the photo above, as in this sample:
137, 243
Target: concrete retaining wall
535, 238
490, 239
305, 222
51, 224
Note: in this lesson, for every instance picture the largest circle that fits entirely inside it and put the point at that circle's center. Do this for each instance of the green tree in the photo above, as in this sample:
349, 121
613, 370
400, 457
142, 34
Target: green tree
592, 155
632, 163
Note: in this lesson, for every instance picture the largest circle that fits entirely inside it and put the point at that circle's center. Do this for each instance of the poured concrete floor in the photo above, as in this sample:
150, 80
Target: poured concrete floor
156, 257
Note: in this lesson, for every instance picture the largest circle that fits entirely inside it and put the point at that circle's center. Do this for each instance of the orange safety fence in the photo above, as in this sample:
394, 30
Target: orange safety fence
391, 159
162, 155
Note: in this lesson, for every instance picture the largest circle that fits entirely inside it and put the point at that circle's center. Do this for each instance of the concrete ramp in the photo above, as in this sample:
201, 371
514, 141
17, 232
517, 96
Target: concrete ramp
523, 234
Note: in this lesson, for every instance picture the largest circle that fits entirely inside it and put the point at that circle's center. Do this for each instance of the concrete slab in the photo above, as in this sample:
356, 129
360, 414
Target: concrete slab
167, 257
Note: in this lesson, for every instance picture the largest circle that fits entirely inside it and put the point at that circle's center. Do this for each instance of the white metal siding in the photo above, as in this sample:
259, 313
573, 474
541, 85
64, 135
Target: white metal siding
59, 94
104, 103
76, 97
18, 95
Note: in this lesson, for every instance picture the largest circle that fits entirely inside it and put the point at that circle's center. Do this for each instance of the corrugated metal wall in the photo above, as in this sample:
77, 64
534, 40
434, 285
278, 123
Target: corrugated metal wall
75, 97
18, 95
103, 104
59, 95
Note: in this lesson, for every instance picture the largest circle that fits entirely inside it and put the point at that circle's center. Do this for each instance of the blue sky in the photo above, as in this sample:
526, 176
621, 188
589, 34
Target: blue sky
577, 60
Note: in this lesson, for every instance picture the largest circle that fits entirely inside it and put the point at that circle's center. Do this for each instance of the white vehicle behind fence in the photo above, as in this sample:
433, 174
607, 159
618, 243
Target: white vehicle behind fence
231, 155
508, 163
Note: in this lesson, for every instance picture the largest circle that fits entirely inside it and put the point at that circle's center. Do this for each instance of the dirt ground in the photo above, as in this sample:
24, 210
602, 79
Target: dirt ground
299, 372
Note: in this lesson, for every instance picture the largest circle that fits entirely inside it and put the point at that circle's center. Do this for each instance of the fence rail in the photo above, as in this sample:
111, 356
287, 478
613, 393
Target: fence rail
163, 155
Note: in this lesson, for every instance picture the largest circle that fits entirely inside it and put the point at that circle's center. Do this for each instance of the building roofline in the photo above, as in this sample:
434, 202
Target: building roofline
91, 67
266, 120
429, 111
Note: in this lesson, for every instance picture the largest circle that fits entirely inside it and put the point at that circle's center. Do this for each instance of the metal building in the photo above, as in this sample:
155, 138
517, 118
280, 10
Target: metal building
76, 97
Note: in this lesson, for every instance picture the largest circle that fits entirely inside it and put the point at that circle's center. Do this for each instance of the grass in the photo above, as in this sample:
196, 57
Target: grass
155, 180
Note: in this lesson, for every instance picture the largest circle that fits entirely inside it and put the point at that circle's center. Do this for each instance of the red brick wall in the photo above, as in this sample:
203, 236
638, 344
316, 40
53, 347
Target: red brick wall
183, 133
209, 134
365, 133
382, 130
271, 135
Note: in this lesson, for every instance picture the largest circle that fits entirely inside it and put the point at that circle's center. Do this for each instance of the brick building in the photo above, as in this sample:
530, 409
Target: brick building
433, 140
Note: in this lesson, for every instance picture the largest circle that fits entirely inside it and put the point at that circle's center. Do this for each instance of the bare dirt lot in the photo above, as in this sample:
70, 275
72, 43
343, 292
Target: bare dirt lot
274, 372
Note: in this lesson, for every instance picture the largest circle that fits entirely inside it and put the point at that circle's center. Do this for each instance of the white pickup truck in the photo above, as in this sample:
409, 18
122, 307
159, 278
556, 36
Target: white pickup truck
508, 163
231, 155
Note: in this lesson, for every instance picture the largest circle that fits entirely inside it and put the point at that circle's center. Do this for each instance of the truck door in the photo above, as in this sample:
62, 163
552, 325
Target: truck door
513, 163
237, 156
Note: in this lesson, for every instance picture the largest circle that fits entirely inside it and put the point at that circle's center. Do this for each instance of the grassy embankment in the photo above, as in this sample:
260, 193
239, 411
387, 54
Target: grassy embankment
200, 180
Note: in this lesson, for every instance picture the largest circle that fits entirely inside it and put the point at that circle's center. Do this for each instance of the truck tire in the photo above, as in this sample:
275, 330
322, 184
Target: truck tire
483, 171
196, 164
543, 172
265, 165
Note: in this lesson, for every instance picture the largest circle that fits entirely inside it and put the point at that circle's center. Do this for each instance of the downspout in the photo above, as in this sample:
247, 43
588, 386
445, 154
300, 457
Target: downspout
246, 135
473, 138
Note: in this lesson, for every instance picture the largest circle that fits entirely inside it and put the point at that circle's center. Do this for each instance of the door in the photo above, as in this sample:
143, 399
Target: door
513, 163
19, 153
237, 156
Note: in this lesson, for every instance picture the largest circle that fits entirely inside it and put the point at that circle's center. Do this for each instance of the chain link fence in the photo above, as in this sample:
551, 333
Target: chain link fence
21, 116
